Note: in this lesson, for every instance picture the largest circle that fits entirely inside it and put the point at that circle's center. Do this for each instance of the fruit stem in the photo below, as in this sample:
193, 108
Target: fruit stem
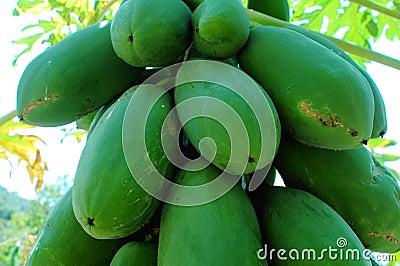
377, 7
7, 117
266, 20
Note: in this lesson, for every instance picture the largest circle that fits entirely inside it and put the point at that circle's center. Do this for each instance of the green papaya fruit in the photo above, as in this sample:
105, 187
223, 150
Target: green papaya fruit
380, 123
221, 232
108, 201
62, 241
221, 28
352, 182
299, 229
151, 32
275, 8
136, 254
194, 54
322, 100
220, 102
70, 79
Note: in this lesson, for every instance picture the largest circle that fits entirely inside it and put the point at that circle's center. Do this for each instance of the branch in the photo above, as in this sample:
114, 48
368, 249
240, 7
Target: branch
377, 7
7, 117
6, 242
364, 52
104, 11
266, 20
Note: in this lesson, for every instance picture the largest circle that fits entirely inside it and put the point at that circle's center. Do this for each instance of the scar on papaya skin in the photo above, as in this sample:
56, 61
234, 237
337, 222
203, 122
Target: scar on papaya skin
90, 221
331, 121
251, 159
35, 104
388, 237
88, 112
130, 38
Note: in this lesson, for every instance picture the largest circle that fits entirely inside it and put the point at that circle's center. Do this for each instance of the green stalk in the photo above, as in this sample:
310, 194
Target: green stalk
364, 52
377, 7
266, 20
7, 117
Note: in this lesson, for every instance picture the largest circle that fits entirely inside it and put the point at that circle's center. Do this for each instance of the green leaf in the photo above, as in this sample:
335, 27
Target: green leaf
30, 41
26, 4
386, 157
370, 24
380, 143
45, 25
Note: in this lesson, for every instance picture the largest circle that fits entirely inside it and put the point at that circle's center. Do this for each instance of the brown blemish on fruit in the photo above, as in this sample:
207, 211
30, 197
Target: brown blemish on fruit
37, 103
329, 121
130, 38
88, 111
326, 119
352, 132
388, 236
251, 159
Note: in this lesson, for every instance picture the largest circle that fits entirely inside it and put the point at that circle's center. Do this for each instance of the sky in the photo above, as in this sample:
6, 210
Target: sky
62, 158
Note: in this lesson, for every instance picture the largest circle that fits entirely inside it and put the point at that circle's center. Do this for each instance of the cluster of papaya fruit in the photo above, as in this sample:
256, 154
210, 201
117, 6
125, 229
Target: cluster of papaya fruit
271, 99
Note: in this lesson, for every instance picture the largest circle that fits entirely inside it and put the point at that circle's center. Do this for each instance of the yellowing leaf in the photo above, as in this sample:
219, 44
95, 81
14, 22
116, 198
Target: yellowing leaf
380, 143
23, 146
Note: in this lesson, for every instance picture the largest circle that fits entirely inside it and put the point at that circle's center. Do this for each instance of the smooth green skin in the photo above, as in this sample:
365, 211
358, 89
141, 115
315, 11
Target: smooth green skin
202, 127
294, 219
104, 188
380, 123
354, 183
221, 28
151, 32
322, 100
221, 232
275, 8
62, 241
70, 79
136, 254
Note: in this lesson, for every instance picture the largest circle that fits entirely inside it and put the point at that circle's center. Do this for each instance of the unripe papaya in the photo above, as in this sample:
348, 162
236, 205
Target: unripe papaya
151, 32
275, 8
220, 102
136, 254
62, 241
107, 200
380, 122
322, 100
352, 182
299, 229
70, 79
221, 232
221, 28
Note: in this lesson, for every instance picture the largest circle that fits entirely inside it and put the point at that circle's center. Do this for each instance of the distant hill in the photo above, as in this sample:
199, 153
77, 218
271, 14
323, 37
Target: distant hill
10, 203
